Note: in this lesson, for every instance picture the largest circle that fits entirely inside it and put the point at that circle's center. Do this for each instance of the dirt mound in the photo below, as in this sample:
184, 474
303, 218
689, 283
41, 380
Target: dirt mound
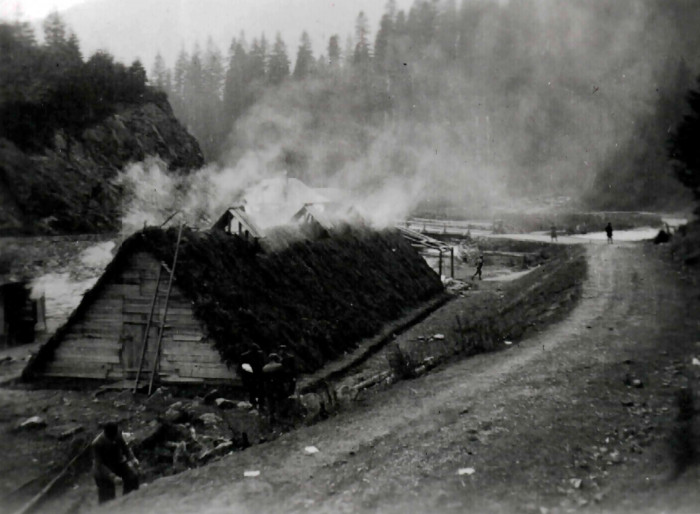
320, 297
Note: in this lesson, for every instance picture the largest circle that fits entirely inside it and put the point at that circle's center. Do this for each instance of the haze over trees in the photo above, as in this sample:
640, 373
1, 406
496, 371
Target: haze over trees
474, 103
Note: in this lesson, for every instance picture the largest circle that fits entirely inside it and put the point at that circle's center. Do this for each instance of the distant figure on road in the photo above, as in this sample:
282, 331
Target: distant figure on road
479, 265
553, 233
113, 462
609, 231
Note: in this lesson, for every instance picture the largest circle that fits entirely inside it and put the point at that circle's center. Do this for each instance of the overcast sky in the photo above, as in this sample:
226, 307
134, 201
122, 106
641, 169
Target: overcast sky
34, 8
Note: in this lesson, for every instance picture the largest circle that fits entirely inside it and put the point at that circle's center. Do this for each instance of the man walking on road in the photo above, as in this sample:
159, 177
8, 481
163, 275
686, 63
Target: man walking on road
609, 232
479, 265
113, 462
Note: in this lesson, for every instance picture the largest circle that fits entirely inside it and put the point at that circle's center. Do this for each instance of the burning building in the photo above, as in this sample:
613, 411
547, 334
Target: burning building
317, 297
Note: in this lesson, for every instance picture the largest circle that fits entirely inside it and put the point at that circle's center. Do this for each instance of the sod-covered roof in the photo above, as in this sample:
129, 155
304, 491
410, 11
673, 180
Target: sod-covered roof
320, 297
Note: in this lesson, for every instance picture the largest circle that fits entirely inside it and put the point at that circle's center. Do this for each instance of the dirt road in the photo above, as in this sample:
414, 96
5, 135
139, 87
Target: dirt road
554, 424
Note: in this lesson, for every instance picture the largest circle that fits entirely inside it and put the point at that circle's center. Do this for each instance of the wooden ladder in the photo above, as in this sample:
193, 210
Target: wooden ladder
161, 329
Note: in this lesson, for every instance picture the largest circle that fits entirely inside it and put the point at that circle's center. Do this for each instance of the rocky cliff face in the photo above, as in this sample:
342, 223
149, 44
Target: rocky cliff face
67, 187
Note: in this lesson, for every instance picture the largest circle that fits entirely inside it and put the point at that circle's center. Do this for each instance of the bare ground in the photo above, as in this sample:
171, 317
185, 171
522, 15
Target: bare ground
551, 425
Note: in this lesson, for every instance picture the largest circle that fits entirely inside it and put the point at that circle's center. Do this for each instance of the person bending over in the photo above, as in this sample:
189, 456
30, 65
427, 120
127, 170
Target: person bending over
113, 462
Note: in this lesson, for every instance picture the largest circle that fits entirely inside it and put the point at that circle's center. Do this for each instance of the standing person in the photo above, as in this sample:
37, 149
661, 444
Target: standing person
274, 387
289, 371
553, 233
251, 373
113, 462
609, 232
479, 265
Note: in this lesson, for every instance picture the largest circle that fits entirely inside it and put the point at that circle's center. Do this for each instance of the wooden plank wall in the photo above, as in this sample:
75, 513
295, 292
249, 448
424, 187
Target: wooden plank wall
95, 347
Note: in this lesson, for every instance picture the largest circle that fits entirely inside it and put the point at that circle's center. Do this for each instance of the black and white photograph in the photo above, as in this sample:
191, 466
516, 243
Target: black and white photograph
349, 256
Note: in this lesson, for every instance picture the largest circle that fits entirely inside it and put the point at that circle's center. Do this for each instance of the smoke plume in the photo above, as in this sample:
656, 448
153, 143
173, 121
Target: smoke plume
493, 105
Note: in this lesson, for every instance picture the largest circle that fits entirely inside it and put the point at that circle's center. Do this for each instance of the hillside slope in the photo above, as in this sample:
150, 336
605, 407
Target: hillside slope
65, 187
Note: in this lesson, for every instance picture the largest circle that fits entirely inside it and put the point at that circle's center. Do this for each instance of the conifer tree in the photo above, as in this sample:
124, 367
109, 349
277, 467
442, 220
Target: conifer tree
361, 55
279, 62
334, 51
159, 73
305, 59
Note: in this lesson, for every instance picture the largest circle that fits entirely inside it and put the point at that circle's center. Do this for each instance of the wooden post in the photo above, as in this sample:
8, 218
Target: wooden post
144, 345
452, 261
165, 312
440, 264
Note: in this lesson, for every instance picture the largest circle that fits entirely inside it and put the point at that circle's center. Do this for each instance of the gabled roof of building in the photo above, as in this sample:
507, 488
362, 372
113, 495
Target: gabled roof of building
314, 212
238, 214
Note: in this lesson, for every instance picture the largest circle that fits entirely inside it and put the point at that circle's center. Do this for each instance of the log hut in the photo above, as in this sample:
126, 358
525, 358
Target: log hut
104, 337
317, 297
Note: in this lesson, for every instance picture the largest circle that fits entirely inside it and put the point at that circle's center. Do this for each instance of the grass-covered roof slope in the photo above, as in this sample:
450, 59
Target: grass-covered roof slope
319, 297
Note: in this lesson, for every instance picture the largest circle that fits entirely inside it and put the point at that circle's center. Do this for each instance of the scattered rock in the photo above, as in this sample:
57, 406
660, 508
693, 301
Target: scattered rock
244, 405
627, 403
615, 457
575, 483
419, 370
251, 474
310, 450
211, 396
33, 423
175, 415
637, 383
439, 336
160, 394
225, 403
210, 419
62, 432
466, 471
219, 451
486, 425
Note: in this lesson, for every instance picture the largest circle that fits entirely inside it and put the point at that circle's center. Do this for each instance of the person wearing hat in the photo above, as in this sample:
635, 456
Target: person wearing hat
113, 462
